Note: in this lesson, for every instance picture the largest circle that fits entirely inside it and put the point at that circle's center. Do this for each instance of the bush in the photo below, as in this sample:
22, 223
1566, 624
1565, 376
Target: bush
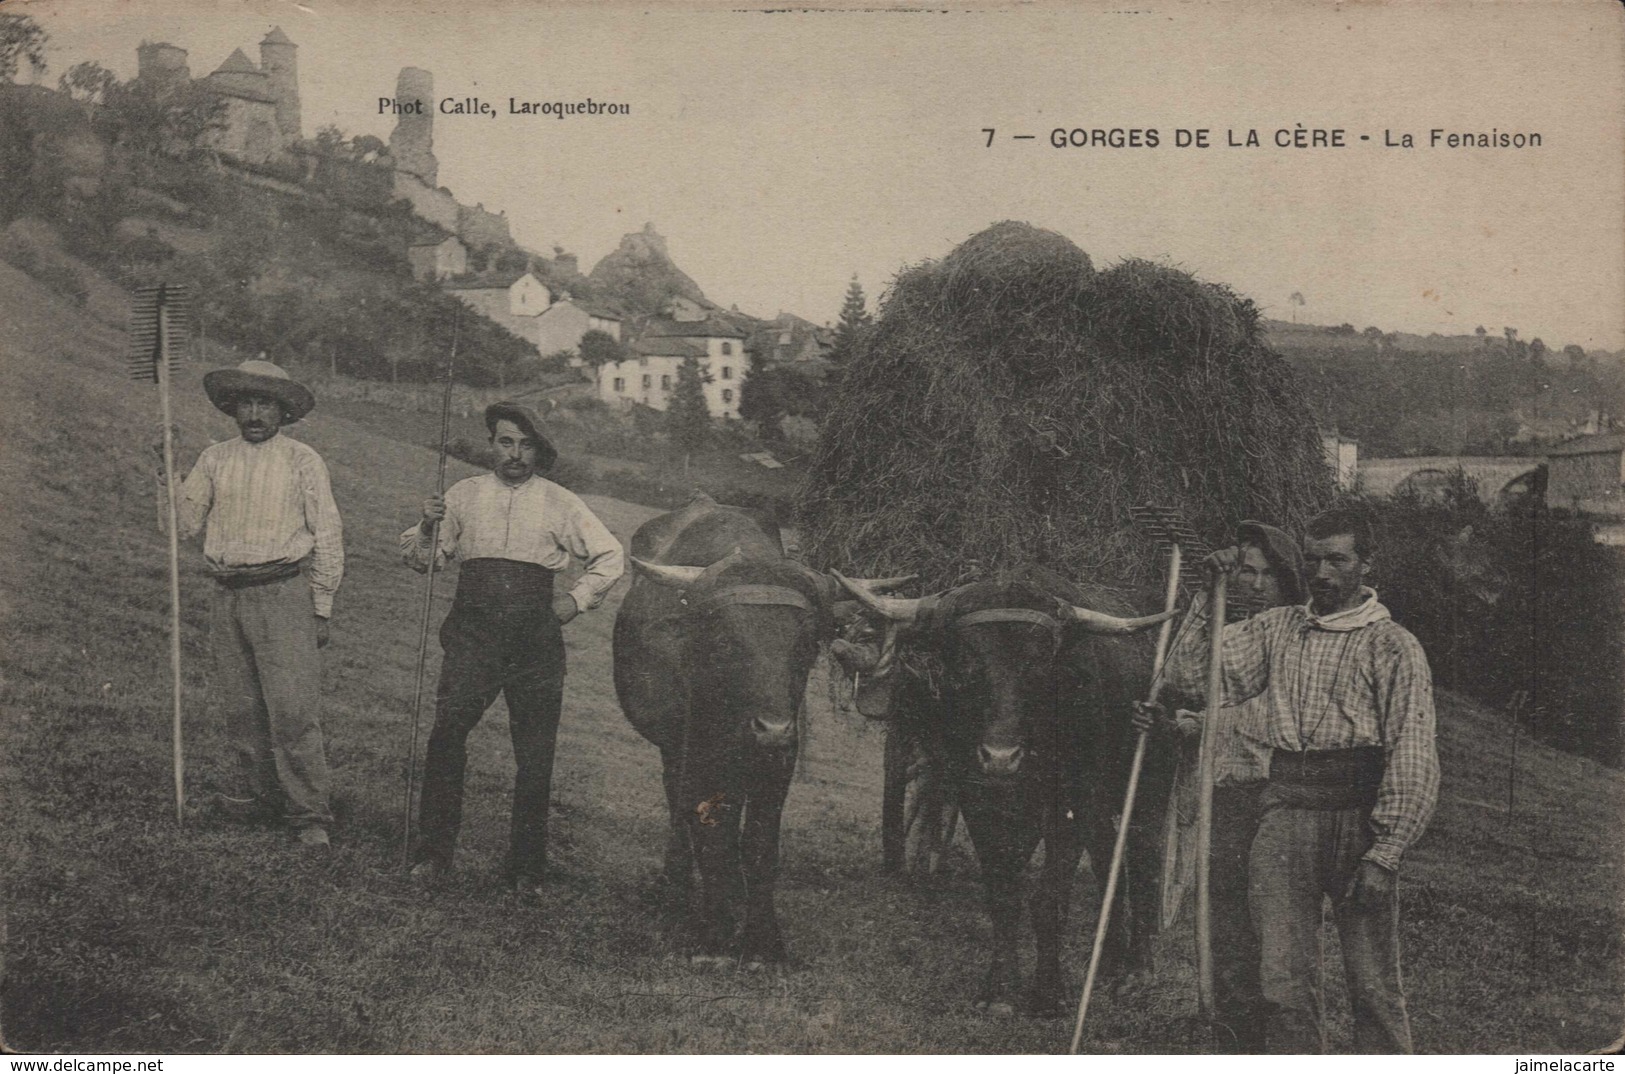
1503, 603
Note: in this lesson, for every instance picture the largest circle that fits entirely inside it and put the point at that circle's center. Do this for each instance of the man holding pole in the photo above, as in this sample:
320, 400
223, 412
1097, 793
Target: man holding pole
1353, 778
513, 531
274, 546
1268, 574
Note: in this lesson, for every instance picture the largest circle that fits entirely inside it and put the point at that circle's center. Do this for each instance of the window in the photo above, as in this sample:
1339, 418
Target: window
665, 381
620, 384
727, 396
727, 348
727, 372
647, 380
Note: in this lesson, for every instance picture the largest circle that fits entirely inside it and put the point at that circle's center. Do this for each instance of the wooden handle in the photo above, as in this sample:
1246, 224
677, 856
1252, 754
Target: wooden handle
1204, 815
174, 565
1112, 874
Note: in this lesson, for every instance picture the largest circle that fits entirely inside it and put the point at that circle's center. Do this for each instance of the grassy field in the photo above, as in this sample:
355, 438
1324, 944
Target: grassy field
127, 933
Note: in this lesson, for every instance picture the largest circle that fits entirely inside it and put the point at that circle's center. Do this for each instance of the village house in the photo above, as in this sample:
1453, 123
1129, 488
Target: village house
1342, 458
1587, 476
793, 341
650, 375
438, 256
561, 325
514, 299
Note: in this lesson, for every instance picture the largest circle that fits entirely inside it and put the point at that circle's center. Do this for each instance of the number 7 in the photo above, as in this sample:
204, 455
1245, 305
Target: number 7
989, 132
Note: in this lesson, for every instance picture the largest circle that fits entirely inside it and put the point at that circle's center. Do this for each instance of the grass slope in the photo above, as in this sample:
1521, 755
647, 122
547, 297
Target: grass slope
128, 934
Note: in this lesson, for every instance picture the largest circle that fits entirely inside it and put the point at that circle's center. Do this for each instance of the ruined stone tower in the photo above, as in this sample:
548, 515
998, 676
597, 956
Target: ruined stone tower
279, 59
411, 143
158, 63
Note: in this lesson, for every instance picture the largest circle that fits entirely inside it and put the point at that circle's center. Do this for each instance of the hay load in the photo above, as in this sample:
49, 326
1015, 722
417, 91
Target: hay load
1012, 403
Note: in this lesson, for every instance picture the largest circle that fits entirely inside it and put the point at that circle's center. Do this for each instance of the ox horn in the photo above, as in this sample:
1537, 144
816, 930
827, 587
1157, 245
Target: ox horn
678, 577
1100, 623
896, 608
880, 585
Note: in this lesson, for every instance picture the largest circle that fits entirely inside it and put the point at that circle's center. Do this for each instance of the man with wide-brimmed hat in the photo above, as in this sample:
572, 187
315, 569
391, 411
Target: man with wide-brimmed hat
273, 544
512, 530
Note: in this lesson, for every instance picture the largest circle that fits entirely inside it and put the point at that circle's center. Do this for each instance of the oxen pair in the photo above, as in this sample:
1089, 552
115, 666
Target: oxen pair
713, 646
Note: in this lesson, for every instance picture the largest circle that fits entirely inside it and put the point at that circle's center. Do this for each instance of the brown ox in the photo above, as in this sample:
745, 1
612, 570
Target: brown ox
1032, 729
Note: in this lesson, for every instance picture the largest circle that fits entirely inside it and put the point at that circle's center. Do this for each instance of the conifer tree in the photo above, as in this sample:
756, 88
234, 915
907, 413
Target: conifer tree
854, 320
687, 418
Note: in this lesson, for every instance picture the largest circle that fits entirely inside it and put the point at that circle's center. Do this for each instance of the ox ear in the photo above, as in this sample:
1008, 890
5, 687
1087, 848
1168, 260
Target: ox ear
1094, 622
676, 577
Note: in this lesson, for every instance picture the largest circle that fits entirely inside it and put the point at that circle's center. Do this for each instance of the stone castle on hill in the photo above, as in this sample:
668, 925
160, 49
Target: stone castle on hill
261, 115
260, 126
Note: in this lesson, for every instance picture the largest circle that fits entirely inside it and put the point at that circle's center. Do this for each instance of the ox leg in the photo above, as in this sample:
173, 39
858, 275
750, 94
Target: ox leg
763, 942
712, 809
1063, 846
679, 863
1003, 841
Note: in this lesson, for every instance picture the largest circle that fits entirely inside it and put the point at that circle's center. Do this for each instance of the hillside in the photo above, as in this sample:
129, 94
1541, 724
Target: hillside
127, 934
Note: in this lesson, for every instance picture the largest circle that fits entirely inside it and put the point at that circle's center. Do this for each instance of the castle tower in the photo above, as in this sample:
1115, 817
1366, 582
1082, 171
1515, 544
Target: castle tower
159, 63
279, 59
411, 143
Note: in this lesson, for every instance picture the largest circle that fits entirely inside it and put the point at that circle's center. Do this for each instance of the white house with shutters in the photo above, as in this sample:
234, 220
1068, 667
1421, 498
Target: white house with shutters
650, 375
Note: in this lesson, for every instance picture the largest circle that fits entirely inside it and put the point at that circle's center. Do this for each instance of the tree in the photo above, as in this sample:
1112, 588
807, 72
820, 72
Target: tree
21, 39
1296, 301
88, 82
1575, 353
687, 417
598, 349
854, 320
771, 395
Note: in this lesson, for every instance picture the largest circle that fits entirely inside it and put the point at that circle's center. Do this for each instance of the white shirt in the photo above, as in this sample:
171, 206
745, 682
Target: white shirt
536, 522
264, 504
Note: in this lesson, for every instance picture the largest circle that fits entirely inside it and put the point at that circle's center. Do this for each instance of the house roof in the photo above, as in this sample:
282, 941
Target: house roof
276, 37
432, 239
707, 328
489, 281
1590, 445
237, 63
667, 347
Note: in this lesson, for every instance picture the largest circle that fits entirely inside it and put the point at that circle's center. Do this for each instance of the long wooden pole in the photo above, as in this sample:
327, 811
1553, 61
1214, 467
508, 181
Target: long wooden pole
1204, 814
1116, 869
174, 559
428, 600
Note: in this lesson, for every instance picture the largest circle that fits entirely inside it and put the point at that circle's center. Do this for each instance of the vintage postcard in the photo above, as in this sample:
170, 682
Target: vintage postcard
650, 528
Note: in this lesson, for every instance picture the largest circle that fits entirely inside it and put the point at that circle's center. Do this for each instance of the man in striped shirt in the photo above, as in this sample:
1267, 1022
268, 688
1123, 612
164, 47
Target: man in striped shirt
1353, 778
514, 531
274, 545
1268, 574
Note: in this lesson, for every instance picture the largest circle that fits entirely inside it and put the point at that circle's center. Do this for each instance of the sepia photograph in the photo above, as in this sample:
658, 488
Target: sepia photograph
862, 529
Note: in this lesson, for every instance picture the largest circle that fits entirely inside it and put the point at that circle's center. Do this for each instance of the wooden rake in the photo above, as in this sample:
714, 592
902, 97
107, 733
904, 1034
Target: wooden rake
1168, 526
158, 334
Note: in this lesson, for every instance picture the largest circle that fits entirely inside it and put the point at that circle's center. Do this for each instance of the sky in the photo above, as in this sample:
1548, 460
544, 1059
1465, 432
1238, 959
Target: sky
781, 153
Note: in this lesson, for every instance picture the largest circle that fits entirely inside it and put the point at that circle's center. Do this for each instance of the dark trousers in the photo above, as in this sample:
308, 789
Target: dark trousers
1239, 1011
491, 648
1309, 845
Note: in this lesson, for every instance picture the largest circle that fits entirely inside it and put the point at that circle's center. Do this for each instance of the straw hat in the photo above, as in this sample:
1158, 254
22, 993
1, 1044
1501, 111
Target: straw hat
258, 377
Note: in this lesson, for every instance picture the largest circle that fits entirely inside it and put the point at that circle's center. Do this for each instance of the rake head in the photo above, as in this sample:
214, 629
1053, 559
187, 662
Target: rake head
1168, 527
159, 329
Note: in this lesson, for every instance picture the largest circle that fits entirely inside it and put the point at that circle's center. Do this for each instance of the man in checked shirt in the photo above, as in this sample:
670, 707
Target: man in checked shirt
1353, 778
513, 530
